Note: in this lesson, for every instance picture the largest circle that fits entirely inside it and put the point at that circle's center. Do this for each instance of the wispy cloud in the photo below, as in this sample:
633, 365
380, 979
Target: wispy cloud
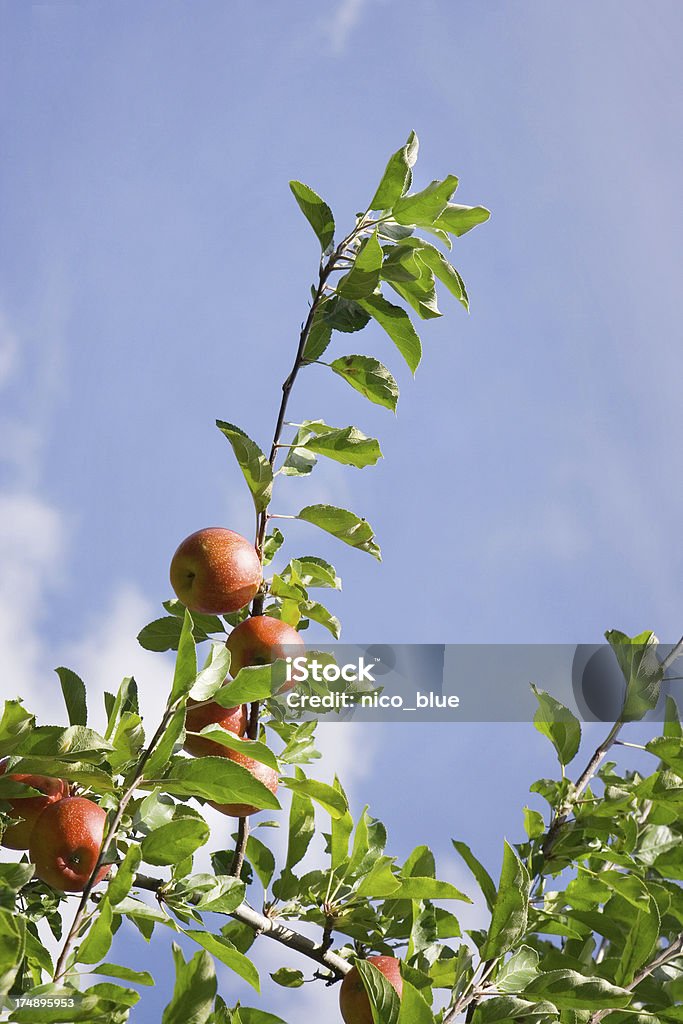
8, 349
340, 26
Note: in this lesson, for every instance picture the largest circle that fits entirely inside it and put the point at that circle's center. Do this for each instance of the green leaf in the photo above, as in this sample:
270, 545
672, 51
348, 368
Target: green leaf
217, 779
519, 971
254, 465
380, 882
572, 991
370, 378
249, 1015
255, 682
186, 662
420, 864
637, 657
511, 1008
344, 525
440, 267
425, 207
669, 750
288, 977
301, 825
229, 955
369, 842
557, 722
194, 992
122, 882
316, 211
363, 277
261, 859
213, 674
383, 998
534, 823
347, 445
509, 916
319, 337
672, 722
174, 734
343, 314
173, 842
251, 748
409, 276
299, 460
71, 744
12, 945
164, 634
414, 888
640, 944
457, 220
15, 876
124, 974
342, 828
72, 771
73, 689
273, 543
80, 1008
328, 797
319, 613
397, 176
414, 1007
126, 700
15, 723
313, 572
98, 939
483, 878
398, 326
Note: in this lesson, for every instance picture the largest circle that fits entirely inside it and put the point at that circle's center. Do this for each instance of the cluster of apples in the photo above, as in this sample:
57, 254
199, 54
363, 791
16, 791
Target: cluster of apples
216, 571
62, 833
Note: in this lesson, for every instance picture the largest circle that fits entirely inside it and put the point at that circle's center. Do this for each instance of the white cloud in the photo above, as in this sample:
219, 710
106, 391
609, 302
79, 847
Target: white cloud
109, 651
9, 348
32, 539
342, 23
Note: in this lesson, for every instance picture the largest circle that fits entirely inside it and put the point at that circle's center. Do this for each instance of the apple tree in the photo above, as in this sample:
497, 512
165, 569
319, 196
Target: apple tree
586, 919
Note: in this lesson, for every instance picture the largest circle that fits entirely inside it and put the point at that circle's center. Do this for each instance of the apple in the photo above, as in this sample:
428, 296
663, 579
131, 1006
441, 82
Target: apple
66, 843
215, 571
262, 772
261, 640
27, 808
200, 715
353, 999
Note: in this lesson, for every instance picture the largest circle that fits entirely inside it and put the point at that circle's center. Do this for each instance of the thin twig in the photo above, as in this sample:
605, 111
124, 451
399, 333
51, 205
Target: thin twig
674, 949
262, 517
273, 929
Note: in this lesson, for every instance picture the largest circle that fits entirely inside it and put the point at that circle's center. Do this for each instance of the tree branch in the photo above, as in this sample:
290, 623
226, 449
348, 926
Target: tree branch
262, 518
674, 949
273, 929
60, 967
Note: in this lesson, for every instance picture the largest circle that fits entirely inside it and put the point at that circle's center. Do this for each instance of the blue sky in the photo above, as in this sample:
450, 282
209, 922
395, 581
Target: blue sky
153, 273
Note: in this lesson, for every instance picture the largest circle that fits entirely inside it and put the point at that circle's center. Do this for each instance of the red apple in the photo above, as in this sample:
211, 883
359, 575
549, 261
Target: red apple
353, 999
200, 715
215, 571
66, 842
260, 771
28, 808
261, 640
